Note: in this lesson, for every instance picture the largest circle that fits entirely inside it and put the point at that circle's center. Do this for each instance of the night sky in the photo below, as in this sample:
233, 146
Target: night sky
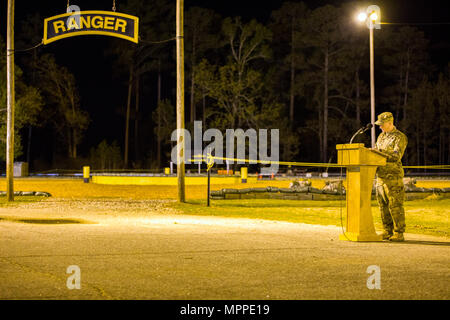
103, 92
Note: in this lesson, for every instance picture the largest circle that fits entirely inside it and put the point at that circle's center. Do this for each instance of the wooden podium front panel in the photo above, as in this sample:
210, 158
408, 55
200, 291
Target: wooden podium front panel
361, 165
359, 210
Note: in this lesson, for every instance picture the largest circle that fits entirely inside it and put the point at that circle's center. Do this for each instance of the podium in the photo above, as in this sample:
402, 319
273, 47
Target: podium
361, 164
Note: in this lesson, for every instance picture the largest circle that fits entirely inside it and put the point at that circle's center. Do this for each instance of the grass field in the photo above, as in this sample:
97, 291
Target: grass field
75, 188
422, 216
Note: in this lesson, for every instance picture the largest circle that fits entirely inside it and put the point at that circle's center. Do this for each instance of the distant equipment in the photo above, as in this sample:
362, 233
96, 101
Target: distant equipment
20, 169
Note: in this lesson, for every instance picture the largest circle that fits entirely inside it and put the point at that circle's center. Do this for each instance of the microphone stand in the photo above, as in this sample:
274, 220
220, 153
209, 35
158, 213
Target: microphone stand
361, 130
356, 133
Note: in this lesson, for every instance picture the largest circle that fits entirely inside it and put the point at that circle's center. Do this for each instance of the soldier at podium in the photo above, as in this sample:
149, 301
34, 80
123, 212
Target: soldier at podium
390, 189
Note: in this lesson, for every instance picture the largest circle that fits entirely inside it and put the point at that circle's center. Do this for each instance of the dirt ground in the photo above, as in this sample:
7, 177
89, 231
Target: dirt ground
141, 249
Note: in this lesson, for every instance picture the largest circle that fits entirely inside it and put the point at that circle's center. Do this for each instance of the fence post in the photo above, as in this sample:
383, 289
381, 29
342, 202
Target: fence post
86, 174
244, 174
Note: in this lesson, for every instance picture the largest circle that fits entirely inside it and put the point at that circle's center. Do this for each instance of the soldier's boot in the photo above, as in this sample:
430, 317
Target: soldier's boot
386, 235
397, 237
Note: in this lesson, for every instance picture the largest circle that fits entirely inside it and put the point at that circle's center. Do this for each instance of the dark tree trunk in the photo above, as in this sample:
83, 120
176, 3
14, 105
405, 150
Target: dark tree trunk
424, 137
69, 142
204, 109
292, 95
358, 95
400, 95
325, 109
405, 97
30, 129
75, 143
136, 122
158, 152
441, 140
417, 141
193, 115
127, 117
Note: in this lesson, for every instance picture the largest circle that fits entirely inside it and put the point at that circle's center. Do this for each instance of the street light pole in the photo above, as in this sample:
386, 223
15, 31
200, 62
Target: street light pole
10, 101
180, 103
372, 19
372, 88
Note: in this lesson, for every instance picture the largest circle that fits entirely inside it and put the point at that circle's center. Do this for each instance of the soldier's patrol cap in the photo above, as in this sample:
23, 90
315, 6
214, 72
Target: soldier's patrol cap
384, 117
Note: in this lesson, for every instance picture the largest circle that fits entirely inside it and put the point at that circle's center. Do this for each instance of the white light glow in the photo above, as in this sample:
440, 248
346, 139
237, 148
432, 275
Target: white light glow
362, 16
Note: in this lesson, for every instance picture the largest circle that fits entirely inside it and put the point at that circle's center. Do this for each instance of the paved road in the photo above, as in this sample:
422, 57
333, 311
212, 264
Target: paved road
169, 256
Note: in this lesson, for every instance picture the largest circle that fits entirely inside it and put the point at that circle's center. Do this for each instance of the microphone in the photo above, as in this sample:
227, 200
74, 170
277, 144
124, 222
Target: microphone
367, 127
361, 130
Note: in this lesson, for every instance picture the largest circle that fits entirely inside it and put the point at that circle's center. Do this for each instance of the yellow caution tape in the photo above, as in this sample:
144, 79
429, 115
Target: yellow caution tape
428, 167
210, 161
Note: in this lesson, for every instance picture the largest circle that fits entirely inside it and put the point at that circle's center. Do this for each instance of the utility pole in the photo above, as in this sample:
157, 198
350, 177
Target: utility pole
372, 88
180, 103
10, 100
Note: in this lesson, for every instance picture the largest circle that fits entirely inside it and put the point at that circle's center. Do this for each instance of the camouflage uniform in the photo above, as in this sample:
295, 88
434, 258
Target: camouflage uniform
390, 189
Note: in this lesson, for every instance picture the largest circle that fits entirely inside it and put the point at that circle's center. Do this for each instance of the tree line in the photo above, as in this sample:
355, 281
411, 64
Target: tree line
304, 71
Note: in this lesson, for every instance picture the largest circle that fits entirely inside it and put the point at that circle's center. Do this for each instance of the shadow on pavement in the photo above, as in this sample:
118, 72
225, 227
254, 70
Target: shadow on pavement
46, 221
428, 243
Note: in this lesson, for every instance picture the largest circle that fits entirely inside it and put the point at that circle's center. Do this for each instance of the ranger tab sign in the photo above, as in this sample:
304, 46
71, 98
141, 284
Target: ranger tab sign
79, 23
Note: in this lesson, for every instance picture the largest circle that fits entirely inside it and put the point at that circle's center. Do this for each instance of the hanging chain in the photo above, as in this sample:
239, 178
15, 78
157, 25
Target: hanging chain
113, 8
